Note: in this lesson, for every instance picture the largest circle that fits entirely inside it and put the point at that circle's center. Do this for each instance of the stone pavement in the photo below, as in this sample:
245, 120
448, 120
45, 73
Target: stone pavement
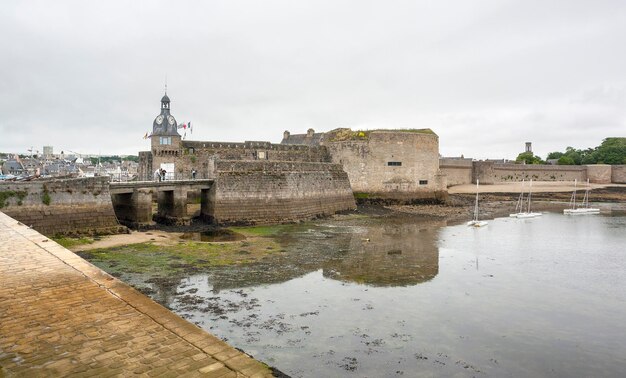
60, 316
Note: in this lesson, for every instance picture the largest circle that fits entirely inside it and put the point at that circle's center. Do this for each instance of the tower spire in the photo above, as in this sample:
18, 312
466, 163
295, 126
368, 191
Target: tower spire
165, 84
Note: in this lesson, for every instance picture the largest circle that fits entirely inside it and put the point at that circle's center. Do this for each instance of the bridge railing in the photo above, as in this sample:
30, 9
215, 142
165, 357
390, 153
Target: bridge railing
171, 176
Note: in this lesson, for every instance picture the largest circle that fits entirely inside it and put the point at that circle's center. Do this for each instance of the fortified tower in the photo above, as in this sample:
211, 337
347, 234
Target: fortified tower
165, 140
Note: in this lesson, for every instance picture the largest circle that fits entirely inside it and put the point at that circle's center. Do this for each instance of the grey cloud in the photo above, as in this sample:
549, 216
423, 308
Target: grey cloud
485, 75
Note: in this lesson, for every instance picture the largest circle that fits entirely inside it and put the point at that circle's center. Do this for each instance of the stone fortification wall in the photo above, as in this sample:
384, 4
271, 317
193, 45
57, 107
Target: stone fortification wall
72, 206
201, 156
457, 171
490, 172
144, 169
391, 164
249, 192
599, 173
257, 151
618, 174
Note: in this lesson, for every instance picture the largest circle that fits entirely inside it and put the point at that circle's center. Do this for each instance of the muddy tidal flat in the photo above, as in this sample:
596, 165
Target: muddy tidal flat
399, 292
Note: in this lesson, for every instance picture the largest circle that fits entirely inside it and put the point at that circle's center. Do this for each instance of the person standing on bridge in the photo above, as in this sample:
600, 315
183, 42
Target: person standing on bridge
193, 174
157, 175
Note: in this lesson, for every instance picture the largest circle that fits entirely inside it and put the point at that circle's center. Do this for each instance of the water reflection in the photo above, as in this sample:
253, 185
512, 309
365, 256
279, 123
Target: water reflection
391, 254
396, 254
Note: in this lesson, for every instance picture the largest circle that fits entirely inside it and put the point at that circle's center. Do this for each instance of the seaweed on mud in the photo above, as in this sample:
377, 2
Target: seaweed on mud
349, 363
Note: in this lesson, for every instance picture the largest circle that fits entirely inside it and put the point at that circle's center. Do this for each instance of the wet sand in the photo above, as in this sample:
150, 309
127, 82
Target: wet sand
157, 236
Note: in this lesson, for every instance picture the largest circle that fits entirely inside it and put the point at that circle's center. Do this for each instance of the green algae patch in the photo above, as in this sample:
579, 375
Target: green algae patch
72, 242
183, 257
271, 230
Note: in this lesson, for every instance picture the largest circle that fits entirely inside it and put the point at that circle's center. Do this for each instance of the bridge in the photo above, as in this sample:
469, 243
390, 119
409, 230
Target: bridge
132, 201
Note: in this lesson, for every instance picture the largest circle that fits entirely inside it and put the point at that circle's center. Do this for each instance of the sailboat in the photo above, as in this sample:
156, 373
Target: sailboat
583, 208
475, 222
521, 204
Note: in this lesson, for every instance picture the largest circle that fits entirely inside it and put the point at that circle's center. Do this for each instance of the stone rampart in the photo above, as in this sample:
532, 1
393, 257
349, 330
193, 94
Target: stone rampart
200, 156
599, 173
250, 151
391, 164
490, 172
618, 174
272, 192
457, 171
66, 207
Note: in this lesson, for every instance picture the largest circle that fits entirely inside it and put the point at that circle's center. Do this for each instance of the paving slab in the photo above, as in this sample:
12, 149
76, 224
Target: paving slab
61, 316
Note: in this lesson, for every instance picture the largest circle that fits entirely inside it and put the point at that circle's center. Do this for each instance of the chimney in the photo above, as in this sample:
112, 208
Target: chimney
310, 132
286, 134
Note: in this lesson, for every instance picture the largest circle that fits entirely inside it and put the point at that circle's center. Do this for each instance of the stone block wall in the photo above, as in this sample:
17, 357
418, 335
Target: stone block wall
457, 171
618, 174
249, 192
202, 155
599, 173
391, 164
66, 207
491, 173
144, 169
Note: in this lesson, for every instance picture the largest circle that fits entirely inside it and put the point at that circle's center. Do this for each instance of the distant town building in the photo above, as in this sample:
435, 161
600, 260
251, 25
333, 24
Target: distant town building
48, 151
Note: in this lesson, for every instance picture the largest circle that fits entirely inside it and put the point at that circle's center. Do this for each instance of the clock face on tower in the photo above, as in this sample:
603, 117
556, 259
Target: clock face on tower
159, 119
171, 120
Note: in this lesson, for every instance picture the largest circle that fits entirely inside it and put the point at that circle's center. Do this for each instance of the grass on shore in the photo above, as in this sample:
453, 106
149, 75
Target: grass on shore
68, 242
267, 230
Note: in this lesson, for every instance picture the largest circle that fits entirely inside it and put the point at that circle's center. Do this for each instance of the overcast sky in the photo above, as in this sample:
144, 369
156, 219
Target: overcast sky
486, 76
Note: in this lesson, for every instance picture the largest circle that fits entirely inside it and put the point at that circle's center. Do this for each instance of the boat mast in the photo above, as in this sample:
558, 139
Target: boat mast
530, 190
586, 198
476, 203
520, 200
573, 200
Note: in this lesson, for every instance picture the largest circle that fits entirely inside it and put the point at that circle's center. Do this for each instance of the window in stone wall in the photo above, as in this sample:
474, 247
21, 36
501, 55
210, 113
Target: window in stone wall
394, 163
165, 140
191, 151
260, 155
423, 182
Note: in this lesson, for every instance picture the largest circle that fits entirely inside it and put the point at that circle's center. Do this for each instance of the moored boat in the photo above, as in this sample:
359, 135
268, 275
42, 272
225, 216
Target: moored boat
582, 208
524, 204
476, 222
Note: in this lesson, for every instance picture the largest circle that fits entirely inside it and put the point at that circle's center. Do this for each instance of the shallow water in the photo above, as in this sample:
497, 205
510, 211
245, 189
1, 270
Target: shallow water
392, 297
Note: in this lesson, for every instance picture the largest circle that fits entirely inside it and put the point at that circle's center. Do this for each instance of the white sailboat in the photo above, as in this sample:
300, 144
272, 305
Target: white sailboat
583, 208
475, 222
520, 203
520, 213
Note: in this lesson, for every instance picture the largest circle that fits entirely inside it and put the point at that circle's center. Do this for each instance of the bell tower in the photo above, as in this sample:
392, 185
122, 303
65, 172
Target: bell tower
165, 140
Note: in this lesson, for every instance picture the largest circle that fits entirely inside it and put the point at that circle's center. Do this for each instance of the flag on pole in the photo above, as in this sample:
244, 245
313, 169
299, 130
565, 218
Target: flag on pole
145, 136
190, 129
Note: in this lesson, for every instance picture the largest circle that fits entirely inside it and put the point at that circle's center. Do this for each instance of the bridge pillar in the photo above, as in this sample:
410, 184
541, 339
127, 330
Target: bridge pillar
173, 207
134, 209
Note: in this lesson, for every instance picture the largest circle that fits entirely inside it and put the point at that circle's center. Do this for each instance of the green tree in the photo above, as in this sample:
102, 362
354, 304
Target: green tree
528, 158
554, 155
566, 160
612, 151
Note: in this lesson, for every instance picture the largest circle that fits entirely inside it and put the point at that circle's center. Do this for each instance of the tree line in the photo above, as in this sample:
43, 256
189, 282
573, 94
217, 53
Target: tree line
610, 151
